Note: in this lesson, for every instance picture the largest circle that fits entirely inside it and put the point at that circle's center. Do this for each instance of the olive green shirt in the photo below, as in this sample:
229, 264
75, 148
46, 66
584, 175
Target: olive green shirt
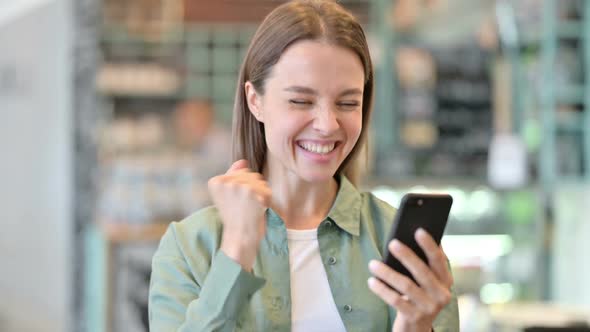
195, 287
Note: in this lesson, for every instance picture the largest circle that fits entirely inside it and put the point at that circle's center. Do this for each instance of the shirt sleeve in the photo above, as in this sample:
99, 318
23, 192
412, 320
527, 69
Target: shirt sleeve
177, 302
448, 319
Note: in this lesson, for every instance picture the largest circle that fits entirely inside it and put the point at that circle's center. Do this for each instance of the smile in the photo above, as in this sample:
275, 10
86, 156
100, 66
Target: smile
316, 147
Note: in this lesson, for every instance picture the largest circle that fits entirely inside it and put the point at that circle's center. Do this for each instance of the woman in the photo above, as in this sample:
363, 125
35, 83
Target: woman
290, 244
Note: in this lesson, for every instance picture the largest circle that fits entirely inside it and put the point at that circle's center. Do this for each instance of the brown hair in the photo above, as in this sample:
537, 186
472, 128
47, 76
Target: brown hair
291, 22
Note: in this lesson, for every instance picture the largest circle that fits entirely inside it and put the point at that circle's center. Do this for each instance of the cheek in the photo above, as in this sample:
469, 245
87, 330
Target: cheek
279, 130
284, 125
353, 126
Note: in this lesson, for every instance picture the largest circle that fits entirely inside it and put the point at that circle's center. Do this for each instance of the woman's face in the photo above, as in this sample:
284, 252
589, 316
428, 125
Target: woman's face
311, 110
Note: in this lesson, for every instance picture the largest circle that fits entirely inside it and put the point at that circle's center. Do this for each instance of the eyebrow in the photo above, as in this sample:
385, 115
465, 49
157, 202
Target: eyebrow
310, 91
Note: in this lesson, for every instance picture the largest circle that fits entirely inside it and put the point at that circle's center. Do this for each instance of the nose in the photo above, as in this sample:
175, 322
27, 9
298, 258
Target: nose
326, 121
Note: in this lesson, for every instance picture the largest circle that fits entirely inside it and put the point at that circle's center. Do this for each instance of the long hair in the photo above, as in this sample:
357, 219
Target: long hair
291, 22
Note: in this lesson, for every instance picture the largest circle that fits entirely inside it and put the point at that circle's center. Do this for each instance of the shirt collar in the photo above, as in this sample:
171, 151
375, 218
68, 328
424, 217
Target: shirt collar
346, 210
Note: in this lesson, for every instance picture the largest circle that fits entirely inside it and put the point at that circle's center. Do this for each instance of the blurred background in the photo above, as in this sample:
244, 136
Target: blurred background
114, 114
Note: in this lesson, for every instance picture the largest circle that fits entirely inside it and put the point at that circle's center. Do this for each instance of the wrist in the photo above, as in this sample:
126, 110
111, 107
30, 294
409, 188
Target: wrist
241, 250
401, 325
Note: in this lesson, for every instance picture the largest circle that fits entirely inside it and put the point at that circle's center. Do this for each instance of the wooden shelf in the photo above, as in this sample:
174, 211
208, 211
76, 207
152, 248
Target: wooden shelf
117, 232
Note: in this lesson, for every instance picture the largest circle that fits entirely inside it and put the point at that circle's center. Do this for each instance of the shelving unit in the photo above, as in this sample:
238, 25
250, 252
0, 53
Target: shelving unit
565, 231
576, 94
204, 58
436, 112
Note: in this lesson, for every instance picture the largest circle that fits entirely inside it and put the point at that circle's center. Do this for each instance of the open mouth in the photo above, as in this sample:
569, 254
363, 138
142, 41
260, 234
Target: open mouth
318, 148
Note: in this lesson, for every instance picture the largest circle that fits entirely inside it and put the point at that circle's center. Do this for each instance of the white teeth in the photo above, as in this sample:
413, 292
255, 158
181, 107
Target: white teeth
317, 148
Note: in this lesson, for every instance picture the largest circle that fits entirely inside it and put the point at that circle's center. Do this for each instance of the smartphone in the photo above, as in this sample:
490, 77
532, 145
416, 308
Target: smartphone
427, 211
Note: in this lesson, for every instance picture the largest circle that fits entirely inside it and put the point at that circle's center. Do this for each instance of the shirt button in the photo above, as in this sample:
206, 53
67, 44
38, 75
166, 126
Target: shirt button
347, 308
332, 260
277, 302
328, 223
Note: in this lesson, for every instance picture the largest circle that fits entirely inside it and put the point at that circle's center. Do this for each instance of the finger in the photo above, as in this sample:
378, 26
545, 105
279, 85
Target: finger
264, 195
264, 201
422, 273
419, 270
391, 297
252, 180
253, 184
244, 176
400, 283
240, 164
444, 253
436, 257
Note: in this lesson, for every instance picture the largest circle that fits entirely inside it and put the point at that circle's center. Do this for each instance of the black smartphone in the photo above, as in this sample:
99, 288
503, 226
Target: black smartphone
427, 211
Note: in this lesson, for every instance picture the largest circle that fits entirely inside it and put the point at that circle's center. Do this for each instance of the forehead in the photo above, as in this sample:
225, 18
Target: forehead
312, 63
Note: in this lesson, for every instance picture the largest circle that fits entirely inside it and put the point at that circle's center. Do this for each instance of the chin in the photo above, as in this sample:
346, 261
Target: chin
317, 176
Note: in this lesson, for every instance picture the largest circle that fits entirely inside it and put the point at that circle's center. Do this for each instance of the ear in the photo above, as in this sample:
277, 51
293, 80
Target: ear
254, 101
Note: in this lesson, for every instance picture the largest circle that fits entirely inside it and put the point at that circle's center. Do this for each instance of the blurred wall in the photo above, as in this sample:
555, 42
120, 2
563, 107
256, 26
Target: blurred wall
571, 270
35, 167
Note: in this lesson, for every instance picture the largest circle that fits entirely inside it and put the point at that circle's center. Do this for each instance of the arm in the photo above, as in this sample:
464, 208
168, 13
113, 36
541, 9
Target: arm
178, 302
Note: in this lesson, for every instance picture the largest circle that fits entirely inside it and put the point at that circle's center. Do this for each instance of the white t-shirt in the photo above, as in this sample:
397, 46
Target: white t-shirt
312, 304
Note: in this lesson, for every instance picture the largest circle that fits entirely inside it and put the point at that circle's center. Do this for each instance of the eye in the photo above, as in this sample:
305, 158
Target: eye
349, 105
300, 102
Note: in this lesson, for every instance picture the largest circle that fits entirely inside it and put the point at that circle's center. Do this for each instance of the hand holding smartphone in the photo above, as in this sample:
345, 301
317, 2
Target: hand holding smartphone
427, 211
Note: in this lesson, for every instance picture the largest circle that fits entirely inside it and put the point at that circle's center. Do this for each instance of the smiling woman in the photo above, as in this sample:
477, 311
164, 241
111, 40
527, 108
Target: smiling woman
288, 244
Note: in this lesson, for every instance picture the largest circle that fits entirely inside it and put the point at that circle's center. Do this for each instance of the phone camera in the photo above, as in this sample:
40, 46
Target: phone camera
420, 202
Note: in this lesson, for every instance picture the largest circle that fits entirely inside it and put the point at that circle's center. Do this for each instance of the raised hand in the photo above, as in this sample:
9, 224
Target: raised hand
241, 197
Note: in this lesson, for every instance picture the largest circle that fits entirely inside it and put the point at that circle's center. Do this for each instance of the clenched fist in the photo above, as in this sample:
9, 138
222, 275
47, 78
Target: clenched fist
241, 197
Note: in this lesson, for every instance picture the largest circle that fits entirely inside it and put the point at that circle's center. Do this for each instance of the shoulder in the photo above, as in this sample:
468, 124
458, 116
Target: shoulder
373, 209
379, 210
198, 234
187, 250
376, 217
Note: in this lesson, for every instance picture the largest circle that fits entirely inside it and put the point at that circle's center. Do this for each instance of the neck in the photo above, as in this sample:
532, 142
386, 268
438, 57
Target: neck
301, 204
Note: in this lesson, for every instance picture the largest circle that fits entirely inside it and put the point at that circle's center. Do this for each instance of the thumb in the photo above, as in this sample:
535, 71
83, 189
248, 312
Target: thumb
240, 164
